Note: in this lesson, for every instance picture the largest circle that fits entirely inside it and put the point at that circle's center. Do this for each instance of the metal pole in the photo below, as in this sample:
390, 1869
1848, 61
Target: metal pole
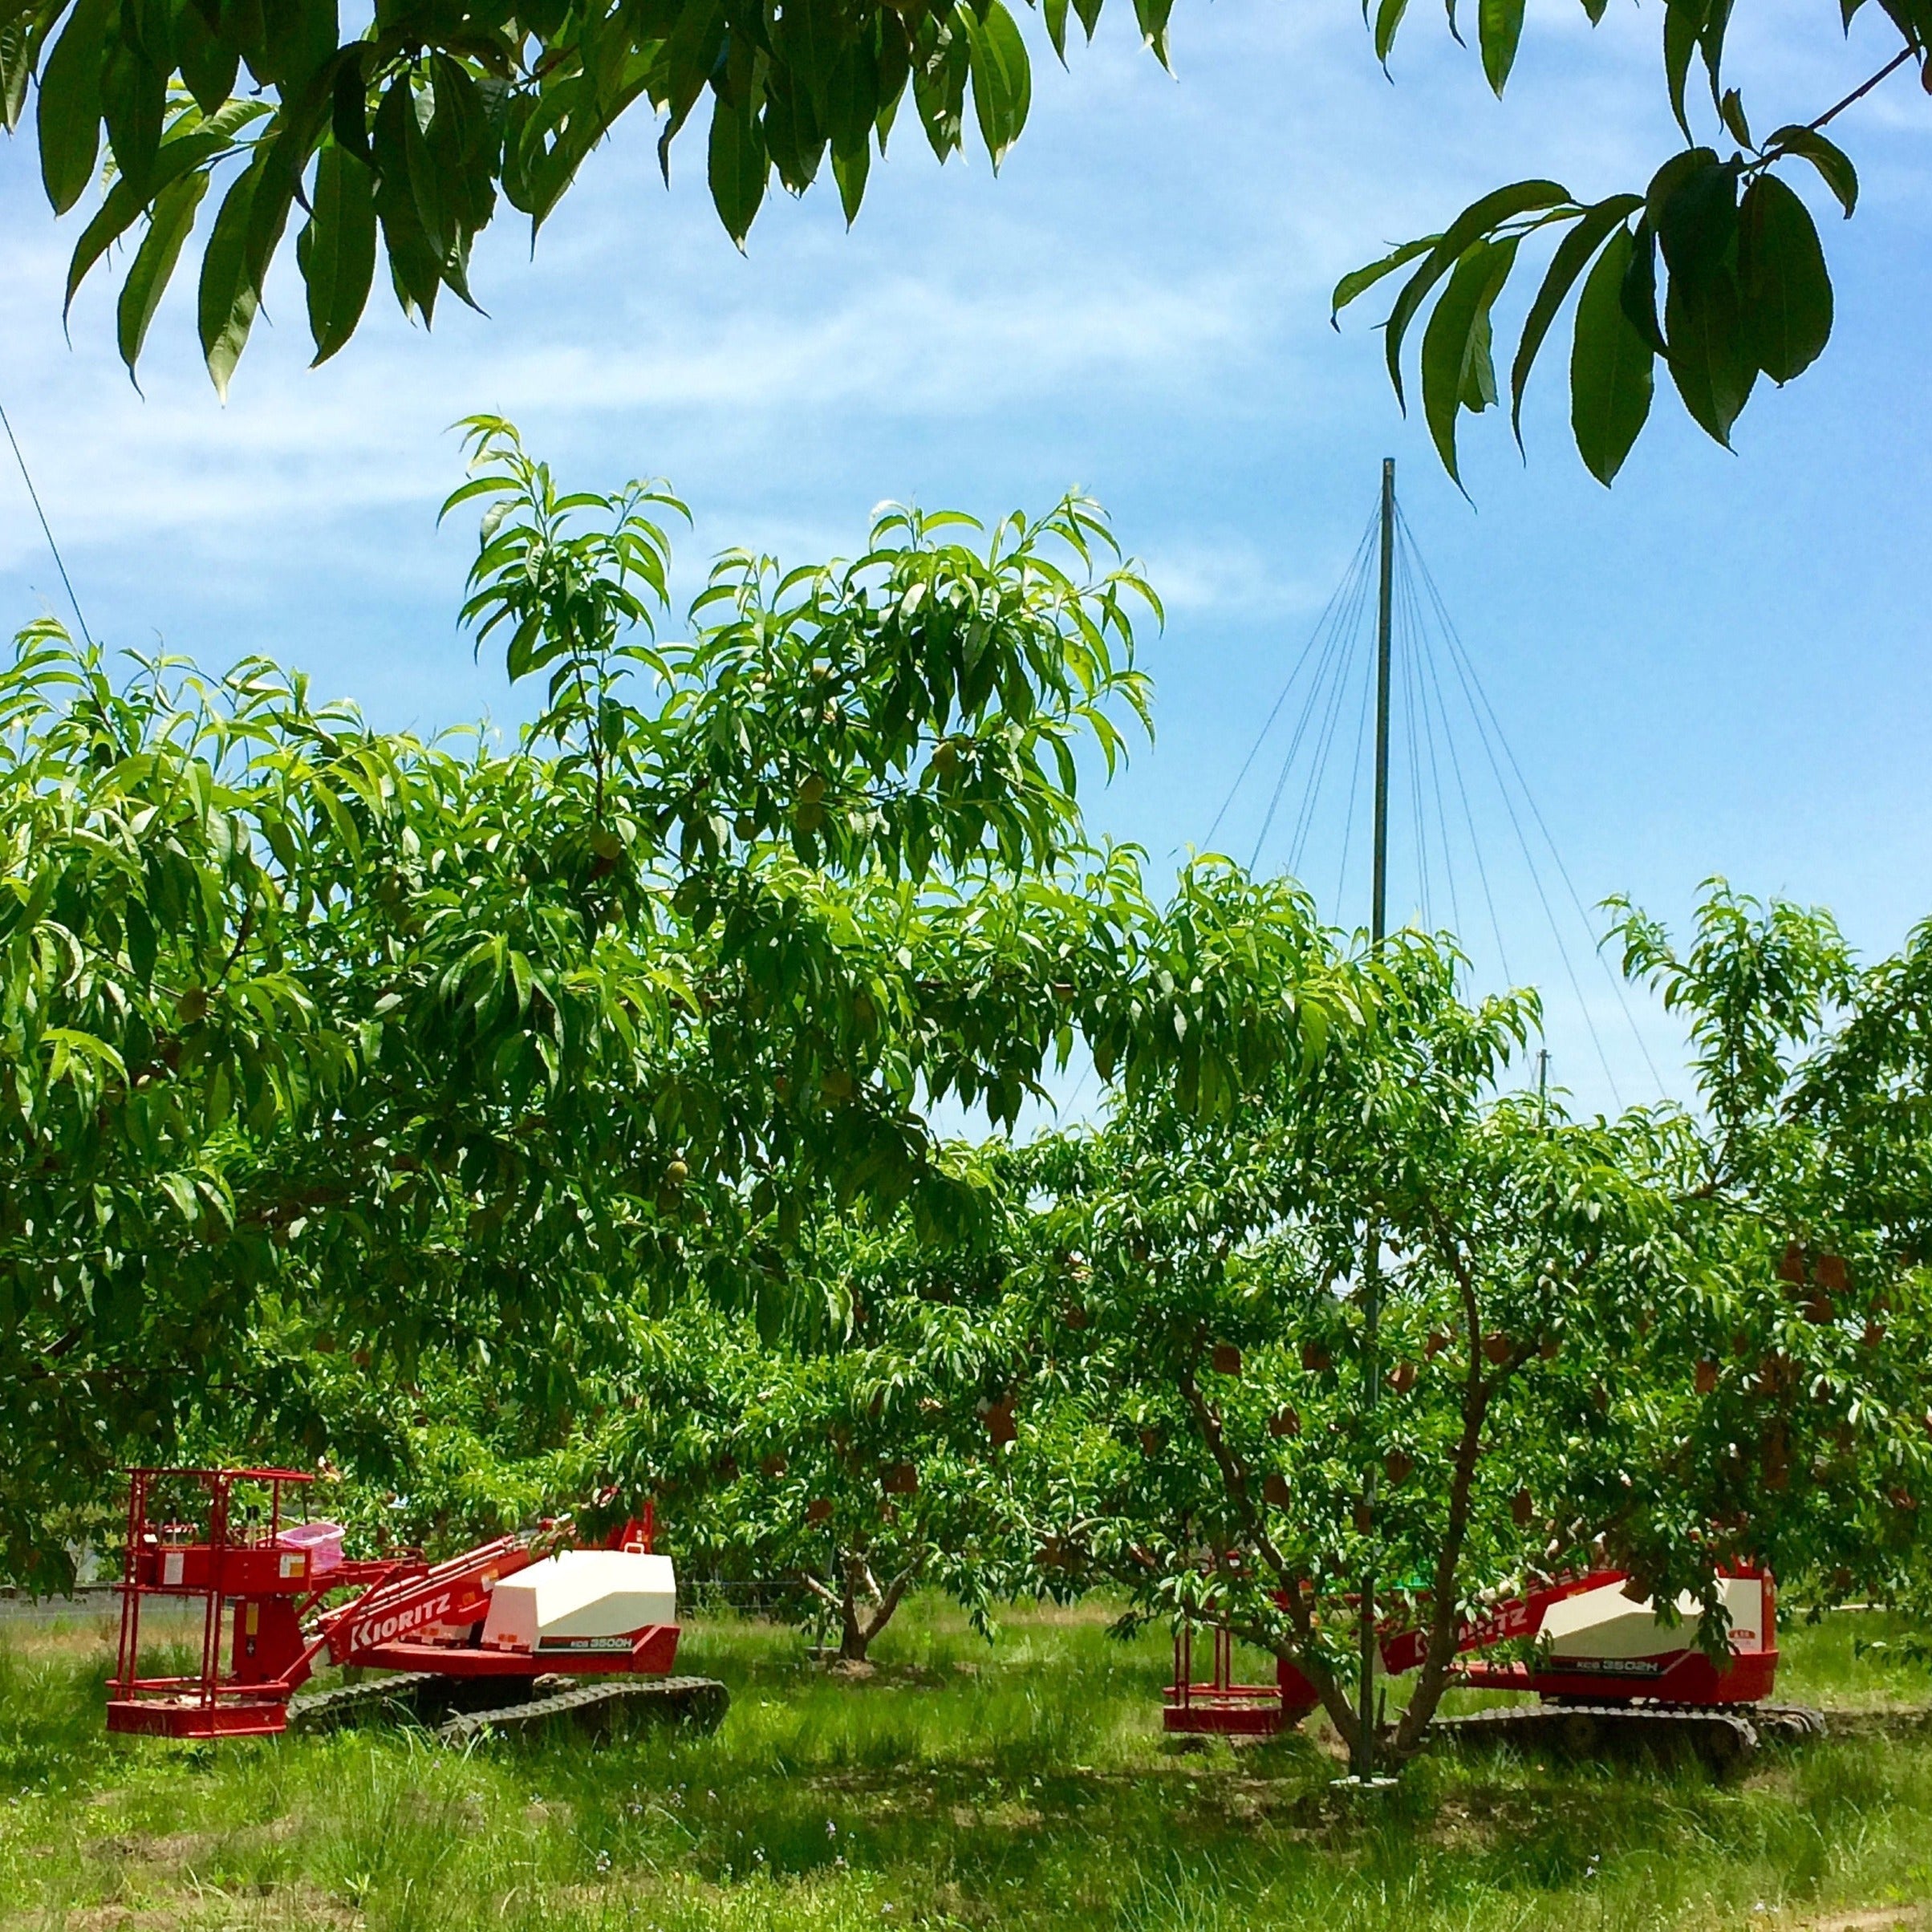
1378, 913
1378, 927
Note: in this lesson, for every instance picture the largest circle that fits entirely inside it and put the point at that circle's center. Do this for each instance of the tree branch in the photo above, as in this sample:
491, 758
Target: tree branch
1234, 1480
819, 1590
890, 1601
1858, 93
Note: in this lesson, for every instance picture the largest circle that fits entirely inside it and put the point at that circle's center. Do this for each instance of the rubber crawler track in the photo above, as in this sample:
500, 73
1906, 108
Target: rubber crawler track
701, 1698
341, 1703
1720, 1737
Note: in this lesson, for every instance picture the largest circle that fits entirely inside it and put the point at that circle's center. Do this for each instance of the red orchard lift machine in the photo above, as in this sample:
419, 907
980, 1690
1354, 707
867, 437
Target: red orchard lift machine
1606, 1672
516, 1631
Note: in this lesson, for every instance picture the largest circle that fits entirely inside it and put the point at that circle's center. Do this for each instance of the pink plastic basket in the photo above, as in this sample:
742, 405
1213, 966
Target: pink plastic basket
321, 1540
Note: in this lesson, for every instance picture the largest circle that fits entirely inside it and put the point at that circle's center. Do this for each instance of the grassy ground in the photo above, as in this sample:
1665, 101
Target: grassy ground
1024, 1786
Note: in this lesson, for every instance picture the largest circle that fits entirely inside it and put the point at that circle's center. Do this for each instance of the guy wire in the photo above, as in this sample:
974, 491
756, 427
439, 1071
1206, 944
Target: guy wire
1616, 980
1314, 637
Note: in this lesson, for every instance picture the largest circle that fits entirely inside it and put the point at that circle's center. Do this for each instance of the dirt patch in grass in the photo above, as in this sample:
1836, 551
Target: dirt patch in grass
1877, 1919
300, 1907
1906, 1724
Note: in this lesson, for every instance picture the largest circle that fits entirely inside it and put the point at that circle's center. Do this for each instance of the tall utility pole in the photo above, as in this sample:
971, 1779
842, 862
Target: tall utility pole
1378, 913
1371, 1272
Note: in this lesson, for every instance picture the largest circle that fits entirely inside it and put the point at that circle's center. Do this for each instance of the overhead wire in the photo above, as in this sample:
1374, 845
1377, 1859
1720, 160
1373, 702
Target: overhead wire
1331, 668
1335, 646
1348, 817
1464, 671
1529, 798
1408, 646
45, 527
1311, 794
1435, 785
1268, 723
1462, 787
1335, 658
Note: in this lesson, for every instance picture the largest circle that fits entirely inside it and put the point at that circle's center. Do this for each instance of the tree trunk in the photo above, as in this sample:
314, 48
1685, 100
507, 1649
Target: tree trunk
855, 1638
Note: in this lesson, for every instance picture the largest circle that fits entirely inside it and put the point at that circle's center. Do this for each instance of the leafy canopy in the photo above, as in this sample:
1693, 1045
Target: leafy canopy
391, 146
1714, 267
316, 1033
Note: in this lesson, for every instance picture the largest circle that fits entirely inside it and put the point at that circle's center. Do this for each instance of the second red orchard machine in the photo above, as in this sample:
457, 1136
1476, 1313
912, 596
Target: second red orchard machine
1606, 1672
522, 1630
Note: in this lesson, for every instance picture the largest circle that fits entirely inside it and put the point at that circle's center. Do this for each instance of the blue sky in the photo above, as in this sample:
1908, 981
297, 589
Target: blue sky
1717, 667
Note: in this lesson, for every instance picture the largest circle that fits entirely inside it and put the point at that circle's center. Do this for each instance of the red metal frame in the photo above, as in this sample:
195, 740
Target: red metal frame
1220, 1707
405, 1614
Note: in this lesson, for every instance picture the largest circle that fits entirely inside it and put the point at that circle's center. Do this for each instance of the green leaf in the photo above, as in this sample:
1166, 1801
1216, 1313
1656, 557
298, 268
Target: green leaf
1002, 77
1640, 287
414, 265
1612, 367
338, 249
1573, 252
1730, 111
852, 98
179, 153
894, 70
298, 38
67, 119
689, 59
1833, 165
1358, 281
133, 95
1698, 228
738, 168
1501, 205
1671, 175
807, 42
1053, 12
1711, 361
19, 49
1151, 16
1683, 23
1388, 23
793, 143
208, 68
938, 90
1456, 367
229, 298
1499, 27
349, 113
431, 191
1711, 44
168, 228
115, 216
849, 167
1782, 281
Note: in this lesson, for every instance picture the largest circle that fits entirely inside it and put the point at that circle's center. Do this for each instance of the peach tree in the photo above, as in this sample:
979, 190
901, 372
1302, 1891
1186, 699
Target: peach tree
853, 1446
319, 1036
1567, 1333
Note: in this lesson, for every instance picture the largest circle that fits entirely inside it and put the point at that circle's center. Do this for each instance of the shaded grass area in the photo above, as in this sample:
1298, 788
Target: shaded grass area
1024, 1785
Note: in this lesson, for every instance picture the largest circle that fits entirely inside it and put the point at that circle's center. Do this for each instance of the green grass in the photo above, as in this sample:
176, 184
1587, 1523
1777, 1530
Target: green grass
1022, 1786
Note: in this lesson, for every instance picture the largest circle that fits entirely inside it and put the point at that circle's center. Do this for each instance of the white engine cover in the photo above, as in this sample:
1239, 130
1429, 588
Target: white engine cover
581, 1599
1605, 1624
